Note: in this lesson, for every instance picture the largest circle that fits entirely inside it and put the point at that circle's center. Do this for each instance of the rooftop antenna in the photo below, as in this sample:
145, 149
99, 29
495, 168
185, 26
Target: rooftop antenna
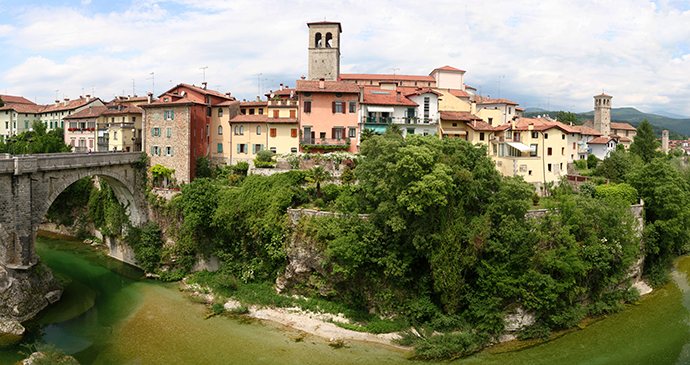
258, 86
56, 94
93, 92
548, 102
203, 69
133, 90
499, 85
153, 82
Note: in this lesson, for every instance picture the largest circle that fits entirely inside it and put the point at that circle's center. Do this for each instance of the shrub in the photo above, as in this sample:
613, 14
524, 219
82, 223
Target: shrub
622, 191
218, 308
592, 161
580, 164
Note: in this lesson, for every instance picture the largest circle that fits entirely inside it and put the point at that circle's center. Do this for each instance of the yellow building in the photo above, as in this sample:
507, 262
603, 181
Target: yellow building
282, 123
465, 125
123, 127
221, 131
534, 148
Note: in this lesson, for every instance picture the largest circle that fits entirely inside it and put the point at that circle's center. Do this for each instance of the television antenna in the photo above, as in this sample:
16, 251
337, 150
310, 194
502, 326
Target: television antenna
203, 70
153, 82
499, 85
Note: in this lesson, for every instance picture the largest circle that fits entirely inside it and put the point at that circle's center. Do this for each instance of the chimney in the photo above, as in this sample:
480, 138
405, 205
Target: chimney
361, 94
204, 85
303, 77
281, 86
66, 101
258, 98
90, 109
322, 83
398, 96
88, 97
149, 98
227, 94
57, 103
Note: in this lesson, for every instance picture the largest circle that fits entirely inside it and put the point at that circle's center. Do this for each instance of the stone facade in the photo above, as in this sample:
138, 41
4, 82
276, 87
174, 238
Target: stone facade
324, 50
168, 140
602, 114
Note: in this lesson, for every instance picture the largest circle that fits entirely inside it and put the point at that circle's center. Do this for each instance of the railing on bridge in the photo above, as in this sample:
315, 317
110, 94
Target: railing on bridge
59, 161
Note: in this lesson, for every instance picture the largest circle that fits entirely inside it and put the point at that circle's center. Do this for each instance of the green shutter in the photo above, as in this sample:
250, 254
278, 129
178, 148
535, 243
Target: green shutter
172, 151
253, 149
262, 148
172, 114
152, 135
151, 150
238, 148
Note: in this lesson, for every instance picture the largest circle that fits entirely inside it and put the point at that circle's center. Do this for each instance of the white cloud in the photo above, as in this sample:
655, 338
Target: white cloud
553, 53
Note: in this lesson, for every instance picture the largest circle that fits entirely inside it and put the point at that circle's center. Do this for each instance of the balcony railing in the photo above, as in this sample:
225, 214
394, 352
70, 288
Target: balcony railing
325, 142
398, 120
282, 102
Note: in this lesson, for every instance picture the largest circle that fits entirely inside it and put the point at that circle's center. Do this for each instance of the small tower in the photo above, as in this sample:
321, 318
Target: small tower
602, 114
664, 141
324, 50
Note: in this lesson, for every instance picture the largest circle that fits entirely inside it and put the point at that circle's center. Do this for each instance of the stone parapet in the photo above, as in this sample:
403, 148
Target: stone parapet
297, 214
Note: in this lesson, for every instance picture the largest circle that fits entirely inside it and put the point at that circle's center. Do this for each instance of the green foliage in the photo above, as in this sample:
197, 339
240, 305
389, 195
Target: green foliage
241, 168
592, 161
65, 207
580, 164
265, 156
203, 167
147, 244
218, 308
160, 172
347, 177
567, 117
622, 191
617, 166
588, 189
107, 214
318, 175
644, 143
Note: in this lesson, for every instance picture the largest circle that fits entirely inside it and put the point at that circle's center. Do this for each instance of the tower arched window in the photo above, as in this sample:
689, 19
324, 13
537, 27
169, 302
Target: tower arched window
317, 40
329, 40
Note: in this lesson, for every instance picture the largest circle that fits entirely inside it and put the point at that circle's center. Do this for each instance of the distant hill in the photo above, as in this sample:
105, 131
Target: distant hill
677, 127
669, 115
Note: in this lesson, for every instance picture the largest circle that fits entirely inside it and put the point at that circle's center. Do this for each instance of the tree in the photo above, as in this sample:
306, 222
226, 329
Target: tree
645, 143
567, 117
366, 134
318, 175
203, 167
347, 177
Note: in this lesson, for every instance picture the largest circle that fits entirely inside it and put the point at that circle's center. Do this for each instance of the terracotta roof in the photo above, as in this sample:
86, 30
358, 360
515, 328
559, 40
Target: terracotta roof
600, 140
448, 68
458, 116
480, 125
520, 109
24, 108
128, 99
93, 112
457, 93
228, 102
253, 103
382, 77
470, 87
378, 96
123, 109
9, 99
204, 91
281, 120
540, 124
284, 92
254, 118
584, 130
340, 28
71, 104
497, 101
181, 101
329, 87
622, 126
420, 91
603, 95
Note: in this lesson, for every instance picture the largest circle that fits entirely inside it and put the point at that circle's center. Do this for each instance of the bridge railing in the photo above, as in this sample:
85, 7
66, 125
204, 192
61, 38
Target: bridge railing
60, 161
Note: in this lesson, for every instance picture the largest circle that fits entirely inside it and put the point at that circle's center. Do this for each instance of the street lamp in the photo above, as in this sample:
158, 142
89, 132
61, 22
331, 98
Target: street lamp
134, 138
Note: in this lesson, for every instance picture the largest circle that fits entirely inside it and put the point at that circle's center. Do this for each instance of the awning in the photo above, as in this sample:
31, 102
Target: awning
380, 109
520, 146
377, 128
458, 131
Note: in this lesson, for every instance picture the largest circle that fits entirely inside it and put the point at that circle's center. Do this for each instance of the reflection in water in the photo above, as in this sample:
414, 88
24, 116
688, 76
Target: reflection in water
110, 315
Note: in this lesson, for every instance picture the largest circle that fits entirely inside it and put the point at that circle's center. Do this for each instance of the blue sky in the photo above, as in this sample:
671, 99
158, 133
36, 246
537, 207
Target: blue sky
552, 54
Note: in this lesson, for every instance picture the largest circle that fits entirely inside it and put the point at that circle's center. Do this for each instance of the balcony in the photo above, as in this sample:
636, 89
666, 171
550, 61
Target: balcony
326, 143
282, 102
398, 120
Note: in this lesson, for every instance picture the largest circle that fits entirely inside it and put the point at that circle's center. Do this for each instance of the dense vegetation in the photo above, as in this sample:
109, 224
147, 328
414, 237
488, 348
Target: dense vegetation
36, 141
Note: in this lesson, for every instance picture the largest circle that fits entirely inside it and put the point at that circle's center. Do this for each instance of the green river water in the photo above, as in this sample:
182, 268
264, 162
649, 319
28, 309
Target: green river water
109, 314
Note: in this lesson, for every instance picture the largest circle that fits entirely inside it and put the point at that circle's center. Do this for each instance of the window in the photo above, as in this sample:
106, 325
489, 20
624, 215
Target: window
549, 167
426, 107
273, 149
353, 107
167, 115
338, 107
307, 106
251, 111
533, 152
546, 136
535, 135
220, 148
26, 125
322, 135
168, 132
337, 133
115, 135
574, 145
500, 149
510, 110
258, 130
168, 150
410, 130
155, 151
549, 151
293, 113
273, 132
481, 136
276, 114
237, 130
352, 132
243, 111
509, 134
455, 124
293, 149
220, 112
220, 130
293, 132
257, 148
338, 95
134, 119
208, 111
241, 130
562, 136
563, 151
241, 148
208, 99
261, 111
208, 130
491, 121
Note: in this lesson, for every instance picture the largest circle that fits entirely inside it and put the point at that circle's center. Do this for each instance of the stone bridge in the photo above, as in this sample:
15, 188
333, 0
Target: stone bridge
29, 185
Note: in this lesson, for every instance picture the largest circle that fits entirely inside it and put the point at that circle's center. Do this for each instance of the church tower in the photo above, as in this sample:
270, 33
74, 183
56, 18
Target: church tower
324, 50
602, 114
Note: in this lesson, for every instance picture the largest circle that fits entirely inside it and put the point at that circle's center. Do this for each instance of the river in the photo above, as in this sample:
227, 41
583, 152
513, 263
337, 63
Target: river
110, 314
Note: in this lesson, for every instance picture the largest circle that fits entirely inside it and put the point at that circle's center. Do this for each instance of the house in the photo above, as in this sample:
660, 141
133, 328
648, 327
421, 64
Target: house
177, 126
123, 127
249, 131
53, 115
282, 122
17, 118
415, 110
465, 125
586, 134
602, 147
81, 129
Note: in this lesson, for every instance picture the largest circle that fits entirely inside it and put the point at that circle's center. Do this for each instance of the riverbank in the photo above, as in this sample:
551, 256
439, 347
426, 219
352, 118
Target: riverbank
317, 324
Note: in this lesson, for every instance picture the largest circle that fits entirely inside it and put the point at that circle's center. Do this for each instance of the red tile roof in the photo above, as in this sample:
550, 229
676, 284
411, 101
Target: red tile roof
480, 125
254, 118
376, 96
458, 116
382, 77
94, 112
24, 108
604, 95
540, 124
622, 126
585, 130
329, 87
228, 103
176, 100
71, 105
123, 109
340, 28
420, 91
600, 140
496, 101
281, 120
9, 99
448, 68
253, 103
457, 93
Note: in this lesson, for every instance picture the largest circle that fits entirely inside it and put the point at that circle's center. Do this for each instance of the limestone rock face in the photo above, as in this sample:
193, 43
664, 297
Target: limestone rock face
11, 328
54, 296
24, 293
518, 320
303, 261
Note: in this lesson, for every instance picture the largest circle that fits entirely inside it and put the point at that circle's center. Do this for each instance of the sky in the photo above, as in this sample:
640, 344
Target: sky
554, 55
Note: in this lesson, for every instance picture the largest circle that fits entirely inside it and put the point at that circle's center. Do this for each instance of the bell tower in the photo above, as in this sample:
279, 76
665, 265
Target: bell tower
602, 114
324, 50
